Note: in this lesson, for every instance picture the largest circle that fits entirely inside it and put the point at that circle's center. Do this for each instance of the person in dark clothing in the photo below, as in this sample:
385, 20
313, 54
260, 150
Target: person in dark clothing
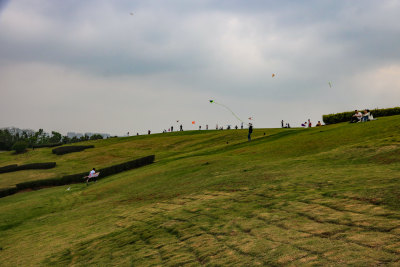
282, 124
250, 131
172, 128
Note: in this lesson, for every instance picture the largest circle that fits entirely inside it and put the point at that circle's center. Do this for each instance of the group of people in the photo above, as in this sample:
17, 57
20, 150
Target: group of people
309, 124
285, 125
361, 117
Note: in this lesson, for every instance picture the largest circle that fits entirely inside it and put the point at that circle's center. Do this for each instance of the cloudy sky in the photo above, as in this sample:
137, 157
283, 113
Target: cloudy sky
91, 66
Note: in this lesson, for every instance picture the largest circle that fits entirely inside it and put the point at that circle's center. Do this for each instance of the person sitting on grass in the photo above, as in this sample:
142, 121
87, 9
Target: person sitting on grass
318, 124
356, 117
92, 175
366, 115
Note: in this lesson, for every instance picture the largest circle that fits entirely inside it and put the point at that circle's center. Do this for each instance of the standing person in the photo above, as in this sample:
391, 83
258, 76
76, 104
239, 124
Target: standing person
206, 126
181, 128
236, 127
309, 123
199, 127
282, 124
216, 127
148, 132
241, 126
250, 131
172, 128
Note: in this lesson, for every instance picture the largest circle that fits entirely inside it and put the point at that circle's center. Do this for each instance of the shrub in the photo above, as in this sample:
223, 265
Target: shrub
69, 149
30, 166
8, 168
346, 116
8, 191
78, 178
19, 146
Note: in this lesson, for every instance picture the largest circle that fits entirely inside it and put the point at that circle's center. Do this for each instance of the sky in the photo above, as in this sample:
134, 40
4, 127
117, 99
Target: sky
91, 66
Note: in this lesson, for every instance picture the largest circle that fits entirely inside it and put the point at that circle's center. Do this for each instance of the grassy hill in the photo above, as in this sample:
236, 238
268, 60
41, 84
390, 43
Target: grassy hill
325, 196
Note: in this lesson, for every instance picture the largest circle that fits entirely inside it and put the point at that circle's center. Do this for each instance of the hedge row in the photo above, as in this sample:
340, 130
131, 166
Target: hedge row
346, 116
47, 145
8, 191
78, 178
31, 166
69, 149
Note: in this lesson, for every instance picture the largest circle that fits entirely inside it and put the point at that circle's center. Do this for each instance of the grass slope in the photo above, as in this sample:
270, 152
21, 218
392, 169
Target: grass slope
324, 196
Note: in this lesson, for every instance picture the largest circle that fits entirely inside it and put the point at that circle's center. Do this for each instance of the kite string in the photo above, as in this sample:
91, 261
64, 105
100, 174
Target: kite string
229, 110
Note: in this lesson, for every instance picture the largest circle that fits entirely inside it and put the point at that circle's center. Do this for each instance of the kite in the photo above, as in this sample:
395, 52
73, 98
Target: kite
330, 85
131, 13
250, 118
212, 101
273, 75
193, 122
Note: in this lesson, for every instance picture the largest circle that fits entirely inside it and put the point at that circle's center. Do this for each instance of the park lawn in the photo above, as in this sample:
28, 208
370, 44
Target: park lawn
321, 196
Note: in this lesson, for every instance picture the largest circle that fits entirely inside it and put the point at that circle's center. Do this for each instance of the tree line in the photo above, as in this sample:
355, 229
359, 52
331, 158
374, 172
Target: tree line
37, 139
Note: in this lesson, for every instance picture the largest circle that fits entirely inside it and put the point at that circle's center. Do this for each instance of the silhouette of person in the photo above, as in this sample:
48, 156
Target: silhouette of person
250, 131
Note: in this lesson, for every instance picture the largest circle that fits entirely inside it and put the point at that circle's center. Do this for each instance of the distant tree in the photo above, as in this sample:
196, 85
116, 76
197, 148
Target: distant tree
74, 139
20, 146
6, 140
96, 137
66, 140
55, 137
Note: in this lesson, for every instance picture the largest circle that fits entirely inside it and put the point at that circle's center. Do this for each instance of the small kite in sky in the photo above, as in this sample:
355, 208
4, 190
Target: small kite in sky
250, 118
193, 122
273, 75
330, 85
131, 13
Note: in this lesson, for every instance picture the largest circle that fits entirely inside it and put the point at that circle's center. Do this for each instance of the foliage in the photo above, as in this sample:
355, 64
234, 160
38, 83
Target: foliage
77, 178
346, 116
19, 146
39, 139
30, 166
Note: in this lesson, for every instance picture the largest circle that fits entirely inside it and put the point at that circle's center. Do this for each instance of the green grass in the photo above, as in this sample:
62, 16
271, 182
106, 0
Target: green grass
321, 196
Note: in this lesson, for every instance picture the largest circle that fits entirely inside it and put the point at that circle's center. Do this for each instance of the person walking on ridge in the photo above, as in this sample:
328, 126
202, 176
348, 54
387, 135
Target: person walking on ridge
250, 131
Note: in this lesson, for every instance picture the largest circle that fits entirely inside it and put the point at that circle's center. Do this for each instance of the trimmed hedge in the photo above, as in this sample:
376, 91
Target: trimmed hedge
346, 116
47, 145
8, 168
8, 191
78, 178
30, 166
69, 149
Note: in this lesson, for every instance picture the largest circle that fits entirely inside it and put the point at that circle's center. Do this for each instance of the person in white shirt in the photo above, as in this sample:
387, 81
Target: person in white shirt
356, 117
92, 175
